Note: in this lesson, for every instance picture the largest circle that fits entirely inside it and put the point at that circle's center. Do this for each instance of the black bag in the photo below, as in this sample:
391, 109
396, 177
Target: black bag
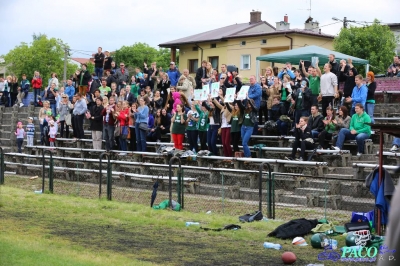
255, 216
143, 126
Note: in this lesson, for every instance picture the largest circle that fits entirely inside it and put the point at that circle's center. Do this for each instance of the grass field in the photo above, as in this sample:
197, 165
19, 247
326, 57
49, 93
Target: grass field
47, 229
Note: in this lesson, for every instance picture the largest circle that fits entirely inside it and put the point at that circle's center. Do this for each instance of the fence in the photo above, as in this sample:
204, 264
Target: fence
283, 196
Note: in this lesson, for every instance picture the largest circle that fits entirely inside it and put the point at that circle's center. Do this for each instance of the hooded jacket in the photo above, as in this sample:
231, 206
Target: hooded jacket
177, 100
315, 122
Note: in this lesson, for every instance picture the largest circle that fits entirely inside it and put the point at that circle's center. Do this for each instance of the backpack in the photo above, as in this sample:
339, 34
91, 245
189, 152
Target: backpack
255, 216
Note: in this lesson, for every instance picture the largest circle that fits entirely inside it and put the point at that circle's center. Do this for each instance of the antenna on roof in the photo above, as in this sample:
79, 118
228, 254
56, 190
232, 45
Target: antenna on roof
309, 9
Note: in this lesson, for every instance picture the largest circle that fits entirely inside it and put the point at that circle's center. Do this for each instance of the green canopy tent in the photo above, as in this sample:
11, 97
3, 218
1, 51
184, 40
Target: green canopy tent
307, 53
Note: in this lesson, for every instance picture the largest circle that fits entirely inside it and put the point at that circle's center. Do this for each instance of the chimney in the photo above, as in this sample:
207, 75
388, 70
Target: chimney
312, 25
286, 18
283, 25
255, 17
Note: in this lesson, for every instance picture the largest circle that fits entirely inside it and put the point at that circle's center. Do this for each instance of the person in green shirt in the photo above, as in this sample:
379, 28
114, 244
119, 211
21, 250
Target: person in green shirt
202, 124
135, 87
236, 124
178, 127
192, 128
359, 130
314, 80
329, 129
104, 89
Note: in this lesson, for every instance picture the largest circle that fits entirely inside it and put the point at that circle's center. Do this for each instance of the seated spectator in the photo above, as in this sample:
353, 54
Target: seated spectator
156, 103
359, 94
163, 85
153, 131
341, 121
370, 103
396, 145
273, 91
315, 121
329, 129
359, 130
303, 139
277, 111
113, 92
394, 69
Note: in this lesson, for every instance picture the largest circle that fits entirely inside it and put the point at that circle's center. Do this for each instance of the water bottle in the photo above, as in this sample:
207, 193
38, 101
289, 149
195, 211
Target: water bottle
272, 245
192, 223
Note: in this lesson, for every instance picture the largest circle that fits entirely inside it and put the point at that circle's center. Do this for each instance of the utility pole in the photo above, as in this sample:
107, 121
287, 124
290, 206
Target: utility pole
345, 21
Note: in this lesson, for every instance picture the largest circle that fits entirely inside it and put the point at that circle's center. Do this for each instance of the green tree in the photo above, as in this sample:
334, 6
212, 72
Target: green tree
138, 53
375, 43
43, 54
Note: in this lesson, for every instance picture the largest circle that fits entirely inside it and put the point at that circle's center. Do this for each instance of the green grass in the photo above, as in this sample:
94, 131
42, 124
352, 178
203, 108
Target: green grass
49, 229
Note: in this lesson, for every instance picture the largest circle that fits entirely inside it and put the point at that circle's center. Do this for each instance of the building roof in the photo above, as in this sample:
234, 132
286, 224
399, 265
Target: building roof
237, 31
392, 25
82, 60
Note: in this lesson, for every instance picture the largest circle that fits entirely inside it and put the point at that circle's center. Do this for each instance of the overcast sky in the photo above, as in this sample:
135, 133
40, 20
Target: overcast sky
85, 25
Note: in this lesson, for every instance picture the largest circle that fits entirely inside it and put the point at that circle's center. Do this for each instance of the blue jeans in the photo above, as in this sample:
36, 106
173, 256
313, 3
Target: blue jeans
36, 93
396, 141
282, 127
345, 134
246, 132
140, 138
314, 134
53, 107
123, 144
108, 136
99, 72
370, 108
212, 135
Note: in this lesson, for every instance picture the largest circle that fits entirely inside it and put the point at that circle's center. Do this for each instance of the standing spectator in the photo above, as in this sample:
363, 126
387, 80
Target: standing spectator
42, 117
249, 110
315, 81
152, 74
99, 63
30, 131
315, 121
269, 76
236, 124
203, 124
359, 130
13, 86
286, 70
370, 103
214, 114
53, 79
123, 118
163, 86
178, 127
109, 78
109, 123
192, 131
169, 104
37, 86
173, 74
113, 68
79, 111
225, 117
20, 134
209, 74
82, 77
141, 116
255, 91
273, 91
156, 103
347, 75
64, 111
334, 66
51, 95
23, 91
3, 92
301, 101
52, 133
329, 88
263, 105
135, 87
69, 90
131, 122
107, 61
303, 139
122, 94
185, 85
113, 92
122, 76
286, 92
359, 94
201, 74
95, 83
104, 89
129, 97
237, 81
96, 123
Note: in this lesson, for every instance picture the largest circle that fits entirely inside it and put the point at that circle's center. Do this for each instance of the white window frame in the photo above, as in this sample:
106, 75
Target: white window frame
242, 62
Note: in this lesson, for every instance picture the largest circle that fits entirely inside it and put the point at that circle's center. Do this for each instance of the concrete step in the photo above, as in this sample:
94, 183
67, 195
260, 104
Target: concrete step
348, 175
303, 191
341, 170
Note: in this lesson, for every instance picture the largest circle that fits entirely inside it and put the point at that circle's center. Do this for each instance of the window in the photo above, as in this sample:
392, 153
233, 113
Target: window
214, 61
243, 43
193, 65
264, 41
195, 48
245, 61
213, 45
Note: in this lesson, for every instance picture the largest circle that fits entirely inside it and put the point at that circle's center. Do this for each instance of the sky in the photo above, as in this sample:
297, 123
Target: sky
86, 25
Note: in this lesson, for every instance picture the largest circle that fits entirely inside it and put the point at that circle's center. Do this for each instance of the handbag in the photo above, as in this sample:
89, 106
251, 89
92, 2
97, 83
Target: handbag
143, 126
124, 131
88, 115
68, 119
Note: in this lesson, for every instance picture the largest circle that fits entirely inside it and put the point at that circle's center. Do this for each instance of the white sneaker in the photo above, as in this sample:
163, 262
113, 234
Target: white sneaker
336, 148
122, 154
394, 148
21, 105
359, 154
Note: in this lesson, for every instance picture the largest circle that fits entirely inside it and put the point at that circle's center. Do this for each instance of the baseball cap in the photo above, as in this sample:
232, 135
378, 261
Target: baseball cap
31, 118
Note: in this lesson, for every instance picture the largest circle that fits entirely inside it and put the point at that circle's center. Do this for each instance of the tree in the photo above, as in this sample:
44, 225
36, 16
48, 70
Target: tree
138, 53
43, 55
375, 43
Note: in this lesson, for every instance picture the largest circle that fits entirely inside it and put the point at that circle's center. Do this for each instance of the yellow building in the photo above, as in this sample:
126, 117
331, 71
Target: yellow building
240, 44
